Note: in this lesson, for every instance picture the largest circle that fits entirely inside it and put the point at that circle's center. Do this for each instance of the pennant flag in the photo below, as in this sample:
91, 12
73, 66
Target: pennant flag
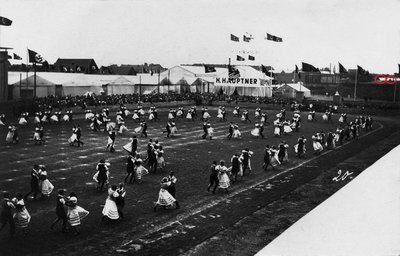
246, 39
342, 70
266, 71
273, 38
233, 72
209, 69
296, 69
234, 38
252, 57
16, 57
5, 22
9, 56
239, 58
361, 71
34, 57
309, 68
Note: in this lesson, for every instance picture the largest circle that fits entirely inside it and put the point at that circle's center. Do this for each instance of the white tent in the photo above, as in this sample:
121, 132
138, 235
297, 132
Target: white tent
290, 90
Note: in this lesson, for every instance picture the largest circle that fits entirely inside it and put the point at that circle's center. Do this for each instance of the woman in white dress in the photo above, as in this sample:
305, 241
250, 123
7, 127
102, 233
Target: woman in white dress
151, 114
74, 137
286, 127
210, 131
257, 114
171, 115
180, 112
75, 213
46, 185
135, 115
317, 145
220, 116
174, 130
206, 115
54, 118
236, 133
256, 131
223, 177
36, 135
189, 115
263, 118
236, 111
165, 199
160, 158
21, 216
110, 209
274, 157
36, 119
10, 135
139, 170
325, 116
23, 119
277, 129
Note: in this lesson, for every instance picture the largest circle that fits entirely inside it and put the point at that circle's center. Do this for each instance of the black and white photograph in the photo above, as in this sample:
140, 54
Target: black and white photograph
199, 127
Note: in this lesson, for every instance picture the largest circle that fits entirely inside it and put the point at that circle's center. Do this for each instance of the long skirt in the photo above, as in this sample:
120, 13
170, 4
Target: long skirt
66, 118
174, 130
135, 116
9, 137
165, 198
277, 131
110, 209
151, 116
309, 117
161, 161
317, 146
138, 129
122, 129
89, 116
275, 161
75, 215
47, 187
36, 136
73, 138
210, 131
54, 118
22, 121
236, 134
36, 120
189, 116
287, 129
255, 132
170, 116
223, 180
325, 117
22, 218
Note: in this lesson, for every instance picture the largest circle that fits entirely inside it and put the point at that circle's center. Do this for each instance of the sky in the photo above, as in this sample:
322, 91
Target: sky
173, 32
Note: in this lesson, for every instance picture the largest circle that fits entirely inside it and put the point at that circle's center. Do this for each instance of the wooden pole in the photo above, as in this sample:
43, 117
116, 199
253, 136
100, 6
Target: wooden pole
355, 86
34, 80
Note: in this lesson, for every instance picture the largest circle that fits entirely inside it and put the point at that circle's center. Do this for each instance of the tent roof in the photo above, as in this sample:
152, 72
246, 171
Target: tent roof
298, 87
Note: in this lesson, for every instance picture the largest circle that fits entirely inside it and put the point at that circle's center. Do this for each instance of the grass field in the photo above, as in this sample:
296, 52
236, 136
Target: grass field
72, 168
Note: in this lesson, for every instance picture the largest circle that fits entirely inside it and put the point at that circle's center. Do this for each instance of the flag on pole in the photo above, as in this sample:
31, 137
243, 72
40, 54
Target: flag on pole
239, 58
252, 57
342, 70
246, 39
9, 57
5, 22
309, 68
296, 69
34, 57
16, 57
362, 71
234, 38
233, 72
209, 69
273, 38
399, 69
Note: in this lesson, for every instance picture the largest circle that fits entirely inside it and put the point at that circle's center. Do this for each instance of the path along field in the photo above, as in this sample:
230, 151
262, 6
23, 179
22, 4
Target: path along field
72, 168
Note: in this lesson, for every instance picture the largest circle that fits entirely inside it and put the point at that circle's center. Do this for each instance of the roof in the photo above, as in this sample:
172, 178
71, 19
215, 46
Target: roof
78, 62
298, 87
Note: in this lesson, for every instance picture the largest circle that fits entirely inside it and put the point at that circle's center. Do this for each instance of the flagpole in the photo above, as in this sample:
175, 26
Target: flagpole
34, 79
395, 88
355, 86
158, 87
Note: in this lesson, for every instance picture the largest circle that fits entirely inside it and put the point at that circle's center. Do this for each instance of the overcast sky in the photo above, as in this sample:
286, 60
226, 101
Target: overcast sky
172, 32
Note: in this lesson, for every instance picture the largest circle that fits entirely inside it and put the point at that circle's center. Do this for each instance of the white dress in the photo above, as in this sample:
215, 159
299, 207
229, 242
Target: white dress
287, 129
206, 115
75, 215
210, 131
138, 129
223, 178
189, 116
317, 146
22, 121
21, 217
236, 133
174, 130
309, 117
110, 208
151, 116
165, 198
325, 117
277, 131
170, 116
36, 120
36, 136
135, 116
255, 132
66, 118
89, 116
9, 137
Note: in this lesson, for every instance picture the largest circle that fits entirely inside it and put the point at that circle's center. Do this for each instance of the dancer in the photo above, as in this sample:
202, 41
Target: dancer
140, 171
160, 158
174, 130
35, 189
205, 129
206, 115
46, 185
111, 141
300, 147
171, 188
110, 209
236, 133
317, 144
261, 130
256, 131
223, 177
245, 159
120, 200
21, 215
144, 129
235, 161
75, 213
6, 215
213, 177
274, 157
267, 157
130, 166
282, 151
102, 174
60, 211
165, 199
231, 128
210, 130
36, 136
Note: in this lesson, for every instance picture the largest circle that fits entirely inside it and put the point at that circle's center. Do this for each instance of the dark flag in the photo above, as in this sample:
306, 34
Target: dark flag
264, 69
234, 38
5, 22
273, 38
239, 58
209, 69
34, 57
361, 71
399, 69
342, 70
16, 57
246, 39
296, 69
252, 57
233, 72
309, 68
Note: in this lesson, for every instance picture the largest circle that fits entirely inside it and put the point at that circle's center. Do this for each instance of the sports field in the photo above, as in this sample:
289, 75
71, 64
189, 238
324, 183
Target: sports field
72, 168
